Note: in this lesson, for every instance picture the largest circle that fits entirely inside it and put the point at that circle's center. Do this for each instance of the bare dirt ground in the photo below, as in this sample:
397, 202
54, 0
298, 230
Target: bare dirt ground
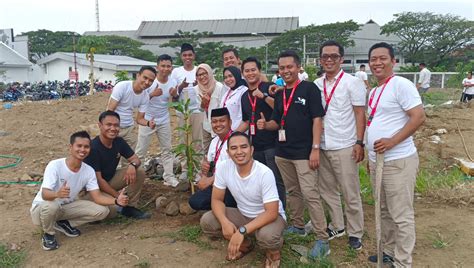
39, 131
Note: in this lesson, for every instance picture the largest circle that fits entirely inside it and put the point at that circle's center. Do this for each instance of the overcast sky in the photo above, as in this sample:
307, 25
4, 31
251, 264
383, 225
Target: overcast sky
79, 15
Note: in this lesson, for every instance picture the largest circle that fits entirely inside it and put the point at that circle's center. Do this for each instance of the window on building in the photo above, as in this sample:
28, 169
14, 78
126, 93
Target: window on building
70, 68
362, 61
347, 62
100, 69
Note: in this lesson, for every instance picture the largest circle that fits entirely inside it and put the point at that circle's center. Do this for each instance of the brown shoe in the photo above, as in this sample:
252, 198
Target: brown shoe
272, 259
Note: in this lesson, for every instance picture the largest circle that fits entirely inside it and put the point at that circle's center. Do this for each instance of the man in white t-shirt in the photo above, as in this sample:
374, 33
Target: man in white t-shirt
158, 118
185, 77
395, 113
342, 147
362, 75
128, 95
259, 210
423, 84
221, 123
302, 75
468, 91
56, 206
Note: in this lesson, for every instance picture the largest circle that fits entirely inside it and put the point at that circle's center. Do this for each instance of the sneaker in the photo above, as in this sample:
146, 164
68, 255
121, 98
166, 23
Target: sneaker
320, 250
49, 242
387, 259
333, 234
183, 176
65, 227
295, 230
132, 212
355, 243
171, 182
308, 227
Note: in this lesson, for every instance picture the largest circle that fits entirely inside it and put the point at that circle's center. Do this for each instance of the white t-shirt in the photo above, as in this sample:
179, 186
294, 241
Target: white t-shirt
213, 147
215, 102
399, 96
158, 106
234, 105
425, 77
339, 130
128, 100
303, 76
57, 172
361, 75
251, 192
178, 75
468, 90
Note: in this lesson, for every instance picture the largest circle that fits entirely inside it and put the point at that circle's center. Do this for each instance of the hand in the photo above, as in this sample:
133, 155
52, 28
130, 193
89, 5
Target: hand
205, 165
204, 182
258, 94
130, 175
234, 245
383, 145
156, 92
194, 83
274, 89
261, 122
174, 91
228, 229
182, 85
314, 159
63, 191
122, 199
357, 153
205, 100
151, 123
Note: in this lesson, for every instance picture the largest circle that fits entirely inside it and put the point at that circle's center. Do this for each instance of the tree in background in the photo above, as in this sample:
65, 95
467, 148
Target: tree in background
89, 45
431, 38
44, 42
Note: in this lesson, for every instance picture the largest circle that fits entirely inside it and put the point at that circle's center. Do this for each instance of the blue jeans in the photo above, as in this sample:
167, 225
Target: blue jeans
201, 200
267, 157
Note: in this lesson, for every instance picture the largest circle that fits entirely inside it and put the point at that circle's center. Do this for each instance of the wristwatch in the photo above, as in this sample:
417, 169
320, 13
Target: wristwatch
135, 165
265, 95
361, 143
243, 230
316, 146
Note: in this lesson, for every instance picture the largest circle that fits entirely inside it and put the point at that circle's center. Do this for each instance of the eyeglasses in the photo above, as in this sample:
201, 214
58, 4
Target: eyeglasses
201, 75
333, 57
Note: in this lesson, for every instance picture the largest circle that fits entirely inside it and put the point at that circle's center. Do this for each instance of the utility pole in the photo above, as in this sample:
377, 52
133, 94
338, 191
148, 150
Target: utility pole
266, 50
97, 15
76, 74
304, 50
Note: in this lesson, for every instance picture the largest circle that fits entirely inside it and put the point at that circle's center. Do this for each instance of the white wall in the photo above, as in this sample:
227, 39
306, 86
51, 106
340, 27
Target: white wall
14, 74
59, 70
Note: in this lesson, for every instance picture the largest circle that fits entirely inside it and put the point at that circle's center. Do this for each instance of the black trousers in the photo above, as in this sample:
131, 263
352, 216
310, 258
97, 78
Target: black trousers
201, 199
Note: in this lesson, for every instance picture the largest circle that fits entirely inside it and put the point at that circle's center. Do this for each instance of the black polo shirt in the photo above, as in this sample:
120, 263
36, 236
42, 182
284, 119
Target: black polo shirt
105, 160
263, 139
306, 106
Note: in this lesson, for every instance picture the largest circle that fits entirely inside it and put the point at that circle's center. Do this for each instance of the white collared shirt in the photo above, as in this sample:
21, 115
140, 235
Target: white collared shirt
234, 105
339, 130
425, 77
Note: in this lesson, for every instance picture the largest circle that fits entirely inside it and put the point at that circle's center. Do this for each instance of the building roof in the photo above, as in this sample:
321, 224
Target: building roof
367, 35
130, 33
98, 58
221, 27
11, 58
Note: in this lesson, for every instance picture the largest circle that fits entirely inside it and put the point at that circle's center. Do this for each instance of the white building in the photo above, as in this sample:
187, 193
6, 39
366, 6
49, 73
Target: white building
13, 66
60, 65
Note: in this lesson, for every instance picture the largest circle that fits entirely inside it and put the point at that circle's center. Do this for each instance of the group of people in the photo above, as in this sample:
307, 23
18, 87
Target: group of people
267, 148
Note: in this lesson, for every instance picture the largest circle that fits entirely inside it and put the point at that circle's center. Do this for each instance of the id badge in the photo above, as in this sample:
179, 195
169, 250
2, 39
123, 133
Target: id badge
281, 135
252, 129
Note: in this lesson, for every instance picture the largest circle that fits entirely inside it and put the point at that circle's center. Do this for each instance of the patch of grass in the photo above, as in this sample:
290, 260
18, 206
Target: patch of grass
350, 255
439, 97
10, 258
427, 180
365, 185
439, 241
119, 220
192, 234
143, 264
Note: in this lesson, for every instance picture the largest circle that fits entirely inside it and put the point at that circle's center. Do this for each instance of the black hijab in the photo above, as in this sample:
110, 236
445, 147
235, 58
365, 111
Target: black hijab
237, 75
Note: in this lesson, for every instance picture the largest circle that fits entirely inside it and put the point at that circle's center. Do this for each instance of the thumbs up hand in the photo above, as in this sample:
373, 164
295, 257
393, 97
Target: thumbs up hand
152, 123
122, 199
261, 122
64, 191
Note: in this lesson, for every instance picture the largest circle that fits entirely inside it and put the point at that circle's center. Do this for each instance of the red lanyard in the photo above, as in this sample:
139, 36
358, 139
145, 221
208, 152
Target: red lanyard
374, 109
227, 96
254, 107
326, 97
218, 150
286, 105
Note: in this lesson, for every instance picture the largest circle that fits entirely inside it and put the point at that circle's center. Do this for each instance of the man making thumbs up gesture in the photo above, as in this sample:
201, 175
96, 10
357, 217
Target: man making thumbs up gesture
56, 206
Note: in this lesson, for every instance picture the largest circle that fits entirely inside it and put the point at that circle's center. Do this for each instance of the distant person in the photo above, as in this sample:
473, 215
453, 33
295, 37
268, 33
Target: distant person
362, 75
302, 74
423, 84
56, 206
236, 87
468, 91
259, 211
185, 78
106, 150
395, 113
209, 95
275, 76
128, 95
157, 117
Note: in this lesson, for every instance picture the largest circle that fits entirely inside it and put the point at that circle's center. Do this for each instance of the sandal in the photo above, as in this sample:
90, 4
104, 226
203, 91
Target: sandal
246, 247
275, 263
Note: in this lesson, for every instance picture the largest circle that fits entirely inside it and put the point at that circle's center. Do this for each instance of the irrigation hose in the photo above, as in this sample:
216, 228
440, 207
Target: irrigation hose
17, 162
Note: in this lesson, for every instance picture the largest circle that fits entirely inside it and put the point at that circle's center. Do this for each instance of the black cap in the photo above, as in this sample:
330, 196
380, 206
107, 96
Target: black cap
186, 47
219, 112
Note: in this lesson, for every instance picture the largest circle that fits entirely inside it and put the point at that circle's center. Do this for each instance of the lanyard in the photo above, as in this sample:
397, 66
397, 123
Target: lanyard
254, 107
374, 109
286, 105
218, 150
326, 97
227, 96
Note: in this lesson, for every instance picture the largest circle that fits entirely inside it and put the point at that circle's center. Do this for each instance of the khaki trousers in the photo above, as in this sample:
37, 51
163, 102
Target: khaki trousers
338, 170
127, 134
269, 237
206, 141
302, 186
163, 132
77, 213
397, 211
195, 120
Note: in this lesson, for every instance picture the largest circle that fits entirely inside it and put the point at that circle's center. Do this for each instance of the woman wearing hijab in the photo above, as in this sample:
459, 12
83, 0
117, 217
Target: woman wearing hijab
209, 96
236, 87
